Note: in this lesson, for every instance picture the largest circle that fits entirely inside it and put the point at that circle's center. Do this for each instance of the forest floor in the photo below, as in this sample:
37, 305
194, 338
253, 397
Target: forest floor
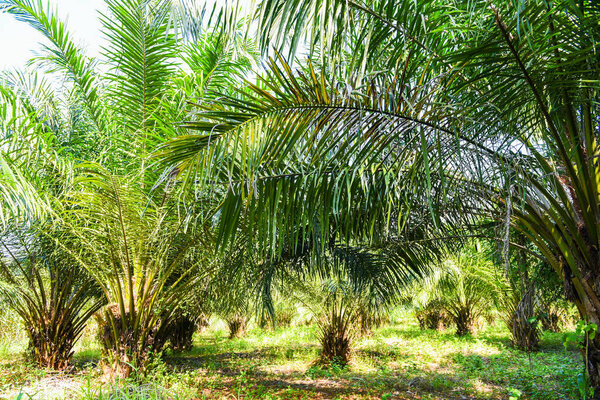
396, 362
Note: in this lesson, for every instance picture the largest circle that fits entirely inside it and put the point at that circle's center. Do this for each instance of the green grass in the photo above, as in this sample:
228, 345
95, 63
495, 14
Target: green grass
12, 337
396, 362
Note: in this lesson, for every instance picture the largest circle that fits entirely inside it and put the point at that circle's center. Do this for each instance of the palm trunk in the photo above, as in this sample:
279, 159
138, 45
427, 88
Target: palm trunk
181, 331
524, 333
551, 321
335, 342
464, 323
127, 349
591, 354
463, 317
590, 351
583, 293
237, 327
50, 349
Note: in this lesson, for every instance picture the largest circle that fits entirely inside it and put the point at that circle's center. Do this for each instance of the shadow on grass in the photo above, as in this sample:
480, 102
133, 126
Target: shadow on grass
234, 359
230, 371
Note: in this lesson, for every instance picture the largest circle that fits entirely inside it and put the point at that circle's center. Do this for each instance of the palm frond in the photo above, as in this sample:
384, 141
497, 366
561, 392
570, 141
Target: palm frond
62, 53
142, 51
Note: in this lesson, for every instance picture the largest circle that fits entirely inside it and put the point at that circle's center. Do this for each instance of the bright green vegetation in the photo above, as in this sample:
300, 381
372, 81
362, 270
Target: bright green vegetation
304, 160
398, 361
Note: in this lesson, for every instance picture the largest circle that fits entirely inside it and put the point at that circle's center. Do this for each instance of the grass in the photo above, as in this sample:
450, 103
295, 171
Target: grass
12, 337
397, 362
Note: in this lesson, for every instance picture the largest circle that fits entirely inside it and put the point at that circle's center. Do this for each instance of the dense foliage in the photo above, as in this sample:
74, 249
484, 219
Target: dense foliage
344, 156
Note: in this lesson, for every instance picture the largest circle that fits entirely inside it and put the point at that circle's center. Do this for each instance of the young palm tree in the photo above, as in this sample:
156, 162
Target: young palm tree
145, 255
519, 297
53, 297
231, 291
40, 282
348, 283
336, 317
463, 288
232, 300
430, 313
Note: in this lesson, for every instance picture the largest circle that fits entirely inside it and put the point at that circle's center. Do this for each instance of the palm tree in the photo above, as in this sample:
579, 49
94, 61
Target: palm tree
498, 100
231, 298
336, 315
430, 314
139, 245
463, 288
143, 253
519, 297
42, 284
53, 297
346, 285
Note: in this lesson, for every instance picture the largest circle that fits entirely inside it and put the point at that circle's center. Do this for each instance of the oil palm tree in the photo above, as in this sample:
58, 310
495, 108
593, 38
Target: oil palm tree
42, 284
496, 99
232, 297
348, 283
143, 252
518, 303
463, 287
53, 297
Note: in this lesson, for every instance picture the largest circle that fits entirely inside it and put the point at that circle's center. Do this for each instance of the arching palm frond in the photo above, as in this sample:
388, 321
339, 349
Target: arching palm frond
338, 154
219, 61
214, 60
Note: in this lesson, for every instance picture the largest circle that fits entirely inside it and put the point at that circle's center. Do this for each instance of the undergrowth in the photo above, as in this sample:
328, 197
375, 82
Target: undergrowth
399, 361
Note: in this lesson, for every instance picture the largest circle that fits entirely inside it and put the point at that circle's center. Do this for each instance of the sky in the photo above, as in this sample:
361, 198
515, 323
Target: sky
18, 41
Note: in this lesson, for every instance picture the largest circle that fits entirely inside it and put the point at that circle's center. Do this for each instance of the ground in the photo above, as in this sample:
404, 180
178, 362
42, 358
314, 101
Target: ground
399, 361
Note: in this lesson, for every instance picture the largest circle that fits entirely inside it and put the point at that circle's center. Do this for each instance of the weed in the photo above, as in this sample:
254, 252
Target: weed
471, 363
